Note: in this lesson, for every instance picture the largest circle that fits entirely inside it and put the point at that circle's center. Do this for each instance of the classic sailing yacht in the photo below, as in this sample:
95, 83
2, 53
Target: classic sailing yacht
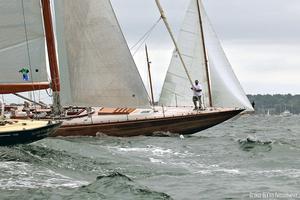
97, 88
97, 69
23, 67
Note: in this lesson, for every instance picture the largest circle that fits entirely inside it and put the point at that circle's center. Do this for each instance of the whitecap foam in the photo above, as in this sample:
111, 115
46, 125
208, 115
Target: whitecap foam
156, 151
229, 171
153, 160
220, 170
292, 173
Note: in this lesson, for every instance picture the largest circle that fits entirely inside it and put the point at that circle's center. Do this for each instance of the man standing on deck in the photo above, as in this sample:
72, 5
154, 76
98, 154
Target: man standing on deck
197, 89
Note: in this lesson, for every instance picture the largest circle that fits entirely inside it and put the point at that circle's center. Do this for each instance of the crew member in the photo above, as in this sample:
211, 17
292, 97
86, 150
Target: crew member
197, 89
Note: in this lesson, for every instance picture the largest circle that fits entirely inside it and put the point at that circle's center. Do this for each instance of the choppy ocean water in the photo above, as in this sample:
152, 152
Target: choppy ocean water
253, 157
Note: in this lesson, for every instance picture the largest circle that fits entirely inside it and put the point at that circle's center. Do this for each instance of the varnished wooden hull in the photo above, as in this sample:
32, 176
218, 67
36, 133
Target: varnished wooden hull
187, 124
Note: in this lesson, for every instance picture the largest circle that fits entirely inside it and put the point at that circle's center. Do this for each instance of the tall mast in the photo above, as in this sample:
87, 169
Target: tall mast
150, 78
55, 84
163, 16
205, 54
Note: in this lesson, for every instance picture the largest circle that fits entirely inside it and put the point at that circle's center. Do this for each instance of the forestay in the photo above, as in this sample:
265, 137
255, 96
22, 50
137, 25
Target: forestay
96, 66
22, 42
176, 89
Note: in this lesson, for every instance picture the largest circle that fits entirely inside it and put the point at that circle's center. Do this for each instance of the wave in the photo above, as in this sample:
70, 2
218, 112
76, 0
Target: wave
19, 175
253, 143
111, 186
153, 151
290, 143
43, 156
165, 134
117, 186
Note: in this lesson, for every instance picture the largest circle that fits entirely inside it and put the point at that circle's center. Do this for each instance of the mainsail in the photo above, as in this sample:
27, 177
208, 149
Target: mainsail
22, 46
225, 87
96, 67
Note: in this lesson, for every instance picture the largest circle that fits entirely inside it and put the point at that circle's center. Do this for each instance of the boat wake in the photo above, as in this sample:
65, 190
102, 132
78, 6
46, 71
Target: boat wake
165, 134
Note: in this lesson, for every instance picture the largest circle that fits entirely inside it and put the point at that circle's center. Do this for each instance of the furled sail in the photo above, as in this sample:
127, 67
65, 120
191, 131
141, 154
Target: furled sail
176, 89
22, 46
96, 67
225, 87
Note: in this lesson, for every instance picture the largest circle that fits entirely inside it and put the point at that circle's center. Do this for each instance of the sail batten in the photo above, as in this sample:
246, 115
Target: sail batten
20, 44
97, 68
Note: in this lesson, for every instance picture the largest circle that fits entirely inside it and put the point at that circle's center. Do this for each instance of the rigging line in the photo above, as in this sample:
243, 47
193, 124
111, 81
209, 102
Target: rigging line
50, 95
146, 35
26, 38
163, 16
139, 47
28, 49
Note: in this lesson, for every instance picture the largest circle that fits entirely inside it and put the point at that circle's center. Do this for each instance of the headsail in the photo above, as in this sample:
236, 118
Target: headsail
176, 89
96, 66
225, 87
22, 46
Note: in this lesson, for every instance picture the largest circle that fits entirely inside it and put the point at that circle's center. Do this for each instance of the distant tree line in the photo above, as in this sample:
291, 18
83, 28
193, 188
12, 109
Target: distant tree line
276, 104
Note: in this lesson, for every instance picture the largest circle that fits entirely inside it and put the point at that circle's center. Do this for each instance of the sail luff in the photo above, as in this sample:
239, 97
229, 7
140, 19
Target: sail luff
205, 54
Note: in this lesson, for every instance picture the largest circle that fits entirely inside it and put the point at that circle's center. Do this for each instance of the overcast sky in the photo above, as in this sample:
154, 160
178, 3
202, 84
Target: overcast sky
260, 37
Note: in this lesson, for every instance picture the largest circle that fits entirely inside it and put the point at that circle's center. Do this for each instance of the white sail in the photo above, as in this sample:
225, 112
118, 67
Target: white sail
176, 89
22, 41
96, 67
226, 88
